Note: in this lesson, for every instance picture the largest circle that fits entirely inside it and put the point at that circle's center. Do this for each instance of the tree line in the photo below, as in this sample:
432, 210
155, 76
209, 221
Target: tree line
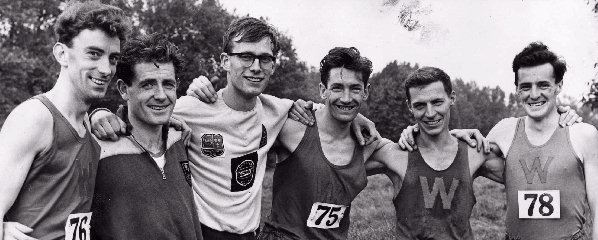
28, 68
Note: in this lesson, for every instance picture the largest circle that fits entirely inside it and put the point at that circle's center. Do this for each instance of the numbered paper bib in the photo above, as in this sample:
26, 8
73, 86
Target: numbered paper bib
539, 204
325, 215
77, 227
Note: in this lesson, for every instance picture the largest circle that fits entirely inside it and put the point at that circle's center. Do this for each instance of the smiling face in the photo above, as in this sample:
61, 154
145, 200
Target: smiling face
90, 62
344, 94
537, 90
249, 81
431, 107
152, 94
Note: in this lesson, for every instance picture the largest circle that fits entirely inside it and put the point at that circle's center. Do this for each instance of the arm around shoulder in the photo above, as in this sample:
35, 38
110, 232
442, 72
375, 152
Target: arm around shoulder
26, 133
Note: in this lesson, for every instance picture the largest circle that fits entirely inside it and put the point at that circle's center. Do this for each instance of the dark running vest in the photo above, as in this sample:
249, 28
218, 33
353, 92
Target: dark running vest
59, 183
311, 196
435, 204
539, 177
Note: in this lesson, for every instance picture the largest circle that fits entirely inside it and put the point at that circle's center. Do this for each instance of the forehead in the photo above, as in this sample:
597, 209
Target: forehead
344, 76
263, 46
98, 39
544, 72
427, 92
147, 70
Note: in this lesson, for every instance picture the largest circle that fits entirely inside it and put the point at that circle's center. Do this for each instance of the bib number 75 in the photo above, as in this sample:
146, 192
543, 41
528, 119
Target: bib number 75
539, 204
325, 215
77, 227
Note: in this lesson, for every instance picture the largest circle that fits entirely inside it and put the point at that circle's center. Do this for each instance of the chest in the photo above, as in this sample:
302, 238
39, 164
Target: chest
338, 153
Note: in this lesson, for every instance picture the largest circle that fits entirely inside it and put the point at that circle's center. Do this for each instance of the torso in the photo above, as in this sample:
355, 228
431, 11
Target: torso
60, 182
298, 212
547, 173
144, 203
435, 204
228, 152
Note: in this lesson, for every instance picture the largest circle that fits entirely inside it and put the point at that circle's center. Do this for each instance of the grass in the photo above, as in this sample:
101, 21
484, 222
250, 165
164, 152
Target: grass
373, 215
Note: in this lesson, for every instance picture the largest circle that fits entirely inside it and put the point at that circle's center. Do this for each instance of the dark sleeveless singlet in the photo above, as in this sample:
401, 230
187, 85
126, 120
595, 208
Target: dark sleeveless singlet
423, 205
60, 181
306, 178
550, 166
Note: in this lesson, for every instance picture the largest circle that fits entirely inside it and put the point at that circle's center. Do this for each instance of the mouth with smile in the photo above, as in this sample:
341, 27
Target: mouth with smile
254, 79
345, 107
158, 107
536, 103
99, 81
432, 122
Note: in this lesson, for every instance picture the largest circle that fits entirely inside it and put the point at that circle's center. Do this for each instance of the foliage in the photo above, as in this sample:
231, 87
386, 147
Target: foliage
28, 67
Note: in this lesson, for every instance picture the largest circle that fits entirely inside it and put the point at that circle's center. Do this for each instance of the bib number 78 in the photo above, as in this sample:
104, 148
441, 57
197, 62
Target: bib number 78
325, 215
539, 204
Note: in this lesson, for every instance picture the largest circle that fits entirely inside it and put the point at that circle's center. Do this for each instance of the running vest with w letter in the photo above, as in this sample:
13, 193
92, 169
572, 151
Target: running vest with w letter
435, 204
546, 193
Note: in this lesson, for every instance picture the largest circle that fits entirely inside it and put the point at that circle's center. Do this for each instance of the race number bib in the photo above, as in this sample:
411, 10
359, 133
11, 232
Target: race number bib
77, 227
325, 215
539, 204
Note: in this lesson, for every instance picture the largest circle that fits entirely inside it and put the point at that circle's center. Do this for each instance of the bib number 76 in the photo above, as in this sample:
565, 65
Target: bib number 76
539, 204
77, 227
325, 215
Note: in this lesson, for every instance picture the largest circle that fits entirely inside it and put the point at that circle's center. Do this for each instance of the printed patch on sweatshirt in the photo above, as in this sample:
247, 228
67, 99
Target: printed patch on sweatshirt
243, 172
212, 145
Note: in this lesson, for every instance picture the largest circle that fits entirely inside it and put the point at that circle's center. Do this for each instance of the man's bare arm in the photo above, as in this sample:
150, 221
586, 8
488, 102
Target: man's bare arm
494, 165
26, 133
584, 139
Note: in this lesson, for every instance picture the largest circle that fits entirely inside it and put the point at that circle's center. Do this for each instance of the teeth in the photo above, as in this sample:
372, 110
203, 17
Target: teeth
536, 104
433, 122
157, 107
98, 81
253, 79
345, 108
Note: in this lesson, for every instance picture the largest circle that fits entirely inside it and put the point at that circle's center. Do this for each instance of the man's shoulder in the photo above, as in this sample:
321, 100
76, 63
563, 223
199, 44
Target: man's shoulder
507, 123
121, 146
583, 131
31, 114
272, 102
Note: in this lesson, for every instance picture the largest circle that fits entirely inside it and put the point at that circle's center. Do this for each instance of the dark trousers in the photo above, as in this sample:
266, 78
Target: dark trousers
211, 234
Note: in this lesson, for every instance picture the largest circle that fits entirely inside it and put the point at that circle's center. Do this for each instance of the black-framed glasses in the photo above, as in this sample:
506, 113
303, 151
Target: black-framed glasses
247, 59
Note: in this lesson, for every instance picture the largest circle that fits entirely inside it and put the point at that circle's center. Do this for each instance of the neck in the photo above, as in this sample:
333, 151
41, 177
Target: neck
148, 136
545, 124
331, 126
435, 142
237, 101
67, 100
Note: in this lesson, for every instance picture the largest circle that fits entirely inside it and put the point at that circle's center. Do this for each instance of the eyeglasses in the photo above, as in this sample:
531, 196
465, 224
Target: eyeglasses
247, 59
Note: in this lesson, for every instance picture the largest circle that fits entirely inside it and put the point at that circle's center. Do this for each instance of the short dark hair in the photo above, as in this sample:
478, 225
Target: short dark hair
427, 75
79, 16
348, 58
536, 54
250, 30
147, 48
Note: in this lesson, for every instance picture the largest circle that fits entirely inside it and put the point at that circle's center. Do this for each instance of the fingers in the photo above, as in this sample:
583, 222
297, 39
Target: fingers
374, 135
176, 123
203, 89
358, 134
300, 113
403, 144
15, 230
404, 141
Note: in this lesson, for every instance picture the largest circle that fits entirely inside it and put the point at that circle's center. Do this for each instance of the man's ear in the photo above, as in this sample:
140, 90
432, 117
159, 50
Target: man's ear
453, 97
366, 92
559, 87
324, 93
409, 106
60, 53
225, 61
123, 89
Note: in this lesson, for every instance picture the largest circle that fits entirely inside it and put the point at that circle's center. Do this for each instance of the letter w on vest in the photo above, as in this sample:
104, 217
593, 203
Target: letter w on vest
537, 168
430, 195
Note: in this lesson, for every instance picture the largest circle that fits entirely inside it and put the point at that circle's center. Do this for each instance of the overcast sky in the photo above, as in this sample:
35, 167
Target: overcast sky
470, 39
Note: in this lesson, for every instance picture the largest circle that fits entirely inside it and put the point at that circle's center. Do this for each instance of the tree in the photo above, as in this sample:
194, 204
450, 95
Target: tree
387, 105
